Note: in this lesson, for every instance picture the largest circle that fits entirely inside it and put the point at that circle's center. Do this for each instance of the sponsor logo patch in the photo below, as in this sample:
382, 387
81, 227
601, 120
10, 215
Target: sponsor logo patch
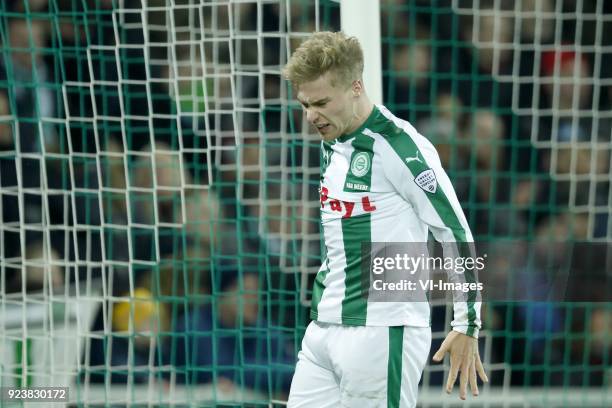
360, 164
427, 181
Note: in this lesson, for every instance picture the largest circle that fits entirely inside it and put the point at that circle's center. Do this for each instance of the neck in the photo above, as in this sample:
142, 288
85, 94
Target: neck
363, 109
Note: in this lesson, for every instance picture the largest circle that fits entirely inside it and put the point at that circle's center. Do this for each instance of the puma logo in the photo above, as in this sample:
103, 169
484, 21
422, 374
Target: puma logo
416, 158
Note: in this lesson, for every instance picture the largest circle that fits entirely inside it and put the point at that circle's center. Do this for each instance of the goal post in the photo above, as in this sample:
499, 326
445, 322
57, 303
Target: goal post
362, 20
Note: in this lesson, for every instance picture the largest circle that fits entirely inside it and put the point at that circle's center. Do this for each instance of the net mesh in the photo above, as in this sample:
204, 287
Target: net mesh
159, 233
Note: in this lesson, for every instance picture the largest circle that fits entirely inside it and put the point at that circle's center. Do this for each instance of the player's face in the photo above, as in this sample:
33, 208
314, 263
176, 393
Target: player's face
330, 109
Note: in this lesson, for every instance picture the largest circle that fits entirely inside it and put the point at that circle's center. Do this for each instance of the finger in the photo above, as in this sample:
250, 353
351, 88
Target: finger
473, 380
480, 369
444, 347
439, 355
452, 374
463, 379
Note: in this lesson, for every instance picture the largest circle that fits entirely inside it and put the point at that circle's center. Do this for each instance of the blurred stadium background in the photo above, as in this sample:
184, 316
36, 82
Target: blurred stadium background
158, 191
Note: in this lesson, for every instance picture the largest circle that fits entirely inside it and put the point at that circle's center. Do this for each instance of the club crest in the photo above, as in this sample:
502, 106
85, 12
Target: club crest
360, 164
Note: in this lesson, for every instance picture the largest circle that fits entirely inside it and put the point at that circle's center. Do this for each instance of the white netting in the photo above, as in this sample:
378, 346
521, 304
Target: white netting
218, 64
552, 55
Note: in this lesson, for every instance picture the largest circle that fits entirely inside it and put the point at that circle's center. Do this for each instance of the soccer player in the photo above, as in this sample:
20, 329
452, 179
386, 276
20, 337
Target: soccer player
381, 181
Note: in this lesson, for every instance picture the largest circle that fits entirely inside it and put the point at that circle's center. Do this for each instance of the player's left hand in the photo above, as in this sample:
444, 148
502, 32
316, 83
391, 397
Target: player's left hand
464, 357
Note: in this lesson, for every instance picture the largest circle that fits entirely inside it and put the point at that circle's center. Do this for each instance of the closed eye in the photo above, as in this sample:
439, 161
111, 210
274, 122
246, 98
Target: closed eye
319, 104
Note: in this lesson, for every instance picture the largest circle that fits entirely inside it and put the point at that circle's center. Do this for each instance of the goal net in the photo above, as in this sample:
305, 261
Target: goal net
159, 229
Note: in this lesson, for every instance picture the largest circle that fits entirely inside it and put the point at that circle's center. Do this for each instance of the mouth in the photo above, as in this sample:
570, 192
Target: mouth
324, 127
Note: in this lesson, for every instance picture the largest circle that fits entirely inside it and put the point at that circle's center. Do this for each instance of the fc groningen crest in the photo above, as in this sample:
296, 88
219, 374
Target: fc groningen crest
359, 174
360, 164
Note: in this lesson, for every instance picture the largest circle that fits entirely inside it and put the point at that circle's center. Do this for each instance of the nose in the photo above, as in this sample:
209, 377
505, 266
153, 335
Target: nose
311, 115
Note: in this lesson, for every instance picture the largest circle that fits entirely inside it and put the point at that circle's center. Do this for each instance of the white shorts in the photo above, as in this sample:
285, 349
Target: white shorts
359, 366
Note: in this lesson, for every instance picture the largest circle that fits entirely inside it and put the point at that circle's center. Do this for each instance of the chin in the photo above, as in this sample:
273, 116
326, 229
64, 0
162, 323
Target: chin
329, 137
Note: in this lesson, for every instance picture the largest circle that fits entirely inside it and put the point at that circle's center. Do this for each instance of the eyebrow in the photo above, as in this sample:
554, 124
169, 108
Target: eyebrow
317, 102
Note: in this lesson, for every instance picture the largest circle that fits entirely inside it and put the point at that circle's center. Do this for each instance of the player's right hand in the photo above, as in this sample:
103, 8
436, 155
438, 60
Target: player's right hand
464, 357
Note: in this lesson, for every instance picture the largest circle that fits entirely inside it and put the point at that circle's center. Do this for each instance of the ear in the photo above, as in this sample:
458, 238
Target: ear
357, 87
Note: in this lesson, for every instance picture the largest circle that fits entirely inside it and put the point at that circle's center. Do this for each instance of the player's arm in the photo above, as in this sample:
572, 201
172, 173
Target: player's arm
415, 170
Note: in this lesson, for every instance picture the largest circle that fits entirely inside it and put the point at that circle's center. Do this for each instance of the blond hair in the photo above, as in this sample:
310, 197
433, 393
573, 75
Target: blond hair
325, 52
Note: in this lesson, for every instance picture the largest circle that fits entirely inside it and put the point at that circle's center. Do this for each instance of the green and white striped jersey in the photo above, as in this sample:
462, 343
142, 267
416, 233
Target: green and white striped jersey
382, 183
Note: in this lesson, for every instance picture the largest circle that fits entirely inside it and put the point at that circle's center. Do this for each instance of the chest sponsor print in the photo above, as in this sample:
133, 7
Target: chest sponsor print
346, 208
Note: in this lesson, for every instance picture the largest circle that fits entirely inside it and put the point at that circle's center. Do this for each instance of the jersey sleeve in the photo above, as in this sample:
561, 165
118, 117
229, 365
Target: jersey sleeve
413, 167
